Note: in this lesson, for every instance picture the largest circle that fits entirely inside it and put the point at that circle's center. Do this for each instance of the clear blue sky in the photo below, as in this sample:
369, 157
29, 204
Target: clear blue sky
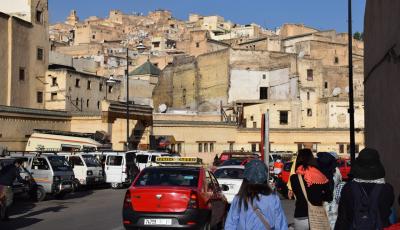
321, 14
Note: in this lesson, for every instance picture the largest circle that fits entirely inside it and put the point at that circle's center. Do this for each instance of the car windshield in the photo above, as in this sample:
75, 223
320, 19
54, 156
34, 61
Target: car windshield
232, 162
58, 163
169, 177
91, 161
229, 173
142, 158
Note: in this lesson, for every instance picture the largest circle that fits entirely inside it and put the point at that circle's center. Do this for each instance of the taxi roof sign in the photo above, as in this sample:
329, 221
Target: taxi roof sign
179, 160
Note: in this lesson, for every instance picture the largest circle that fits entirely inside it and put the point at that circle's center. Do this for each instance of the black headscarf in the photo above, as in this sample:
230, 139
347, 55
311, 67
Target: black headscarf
327, 165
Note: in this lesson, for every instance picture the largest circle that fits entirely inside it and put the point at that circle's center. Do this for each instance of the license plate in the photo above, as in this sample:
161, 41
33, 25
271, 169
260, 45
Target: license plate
157, 222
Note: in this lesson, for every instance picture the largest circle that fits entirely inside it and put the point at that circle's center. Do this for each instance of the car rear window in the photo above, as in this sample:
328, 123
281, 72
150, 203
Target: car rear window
168, 177
229, 173
233, 162
142, 158
114, 160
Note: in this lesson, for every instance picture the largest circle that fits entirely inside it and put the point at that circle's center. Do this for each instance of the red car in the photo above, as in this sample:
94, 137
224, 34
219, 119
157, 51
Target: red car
344, 167
174, 196
286, 171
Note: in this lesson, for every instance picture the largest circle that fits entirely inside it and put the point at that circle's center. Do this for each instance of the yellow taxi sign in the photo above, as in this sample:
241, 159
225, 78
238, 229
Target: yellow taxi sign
178, 160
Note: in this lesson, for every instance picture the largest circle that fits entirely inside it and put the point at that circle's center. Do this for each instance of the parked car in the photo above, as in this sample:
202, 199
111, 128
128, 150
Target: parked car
231, 176
174, 196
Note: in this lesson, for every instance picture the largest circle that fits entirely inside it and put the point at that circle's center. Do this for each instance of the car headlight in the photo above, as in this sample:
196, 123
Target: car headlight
56, 178
89, 173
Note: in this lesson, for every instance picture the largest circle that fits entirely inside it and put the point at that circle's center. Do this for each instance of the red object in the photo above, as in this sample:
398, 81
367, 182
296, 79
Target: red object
393, 227
344, 167
237, 155
183, 202
286, 172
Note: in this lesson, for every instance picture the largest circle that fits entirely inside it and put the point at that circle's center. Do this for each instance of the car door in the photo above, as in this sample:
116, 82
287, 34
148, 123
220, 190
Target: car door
41, 172
78, 168
215, 201
114, 168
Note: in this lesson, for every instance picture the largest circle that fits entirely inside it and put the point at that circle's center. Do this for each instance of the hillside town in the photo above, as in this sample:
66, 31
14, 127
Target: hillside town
202, 83
196, 122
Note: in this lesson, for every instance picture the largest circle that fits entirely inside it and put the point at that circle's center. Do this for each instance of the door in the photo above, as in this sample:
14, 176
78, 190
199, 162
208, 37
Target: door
219, 202
79, 168
114, 169
42, 173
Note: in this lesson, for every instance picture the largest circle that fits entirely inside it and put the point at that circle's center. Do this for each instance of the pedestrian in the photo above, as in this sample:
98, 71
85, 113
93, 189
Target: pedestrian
366, 201
256, 206
278, 167
316, 187
327, 163
8, 175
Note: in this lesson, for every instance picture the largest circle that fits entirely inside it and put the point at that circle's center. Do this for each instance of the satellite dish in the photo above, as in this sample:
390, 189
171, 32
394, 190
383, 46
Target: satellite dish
336, 92
346, 89
162, 108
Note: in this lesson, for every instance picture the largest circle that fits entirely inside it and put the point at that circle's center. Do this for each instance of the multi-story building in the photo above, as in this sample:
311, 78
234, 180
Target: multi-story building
23, 52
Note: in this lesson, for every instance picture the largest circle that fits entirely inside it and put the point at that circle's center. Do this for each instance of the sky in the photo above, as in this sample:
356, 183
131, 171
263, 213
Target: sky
320, 14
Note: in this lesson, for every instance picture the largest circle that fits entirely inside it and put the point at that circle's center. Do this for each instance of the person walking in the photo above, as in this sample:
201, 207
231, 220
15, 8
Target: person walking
8, 175
366, 201
316, 186
327, 163
256, 206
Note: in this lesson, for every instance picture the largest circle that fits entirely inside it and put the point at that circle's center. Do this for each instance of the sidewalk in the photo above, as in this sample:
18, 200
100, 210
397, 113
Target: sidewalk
288, 207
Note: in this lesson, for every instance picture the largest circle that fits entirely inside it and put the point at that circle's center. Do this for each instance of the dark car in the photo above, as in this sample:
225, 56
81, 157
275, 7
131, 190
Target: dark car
174, 197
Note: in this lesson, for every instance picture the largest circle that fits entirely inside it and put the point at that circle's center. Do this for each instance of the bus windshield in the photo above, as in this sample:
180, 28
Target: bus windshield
58, 163
91, 161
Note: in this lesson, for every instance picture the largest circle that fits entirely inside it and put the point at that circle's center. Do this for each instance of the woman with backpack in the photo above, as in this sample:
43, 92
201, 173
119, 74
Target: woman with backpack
366, 201
256, 206
316, 186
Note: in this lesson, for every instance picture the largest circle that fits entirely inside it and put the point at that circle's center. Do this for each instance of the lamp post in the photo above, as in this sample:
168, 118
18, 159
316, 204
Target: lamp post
127, 98
351, 92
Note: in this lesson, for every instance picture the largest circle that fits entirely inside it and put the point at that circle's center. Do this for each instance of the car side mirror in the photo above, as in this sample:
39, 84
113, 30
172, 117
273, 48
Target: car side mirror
224, 187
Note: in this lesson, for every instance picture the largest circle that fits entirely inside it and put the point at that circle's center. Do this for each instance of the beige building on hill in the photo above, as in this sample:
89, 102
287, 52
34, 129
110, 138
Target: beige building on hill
23, 52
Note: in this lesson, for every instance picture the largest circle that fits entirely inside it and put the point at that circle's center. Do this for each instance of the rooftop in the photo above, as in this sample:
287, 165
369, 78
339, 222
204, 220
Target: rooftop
146, 69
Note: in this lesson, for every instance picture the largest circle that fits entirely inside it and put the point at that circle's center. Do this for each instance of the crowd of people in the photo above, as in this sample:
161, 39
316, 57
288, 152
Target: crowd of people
323, 200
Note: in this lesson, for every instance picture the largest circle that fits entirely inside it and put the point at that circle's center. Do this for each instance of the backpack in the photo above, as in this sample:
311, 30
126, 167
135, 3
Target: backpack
366, 210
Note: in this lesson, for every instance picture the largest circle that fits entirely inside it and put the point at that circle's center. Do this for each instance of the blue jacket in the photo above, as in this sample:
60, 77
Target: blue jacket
270, 206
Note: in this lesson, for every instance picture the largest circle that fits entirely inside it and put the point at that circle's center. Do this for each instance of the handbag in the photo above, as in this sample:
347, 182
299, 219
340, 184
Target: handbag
261, 217
317, 216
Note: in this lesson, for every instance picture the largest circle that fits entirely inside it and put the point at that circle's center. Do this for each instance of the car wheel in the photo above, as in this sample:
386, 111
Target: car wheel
40, 194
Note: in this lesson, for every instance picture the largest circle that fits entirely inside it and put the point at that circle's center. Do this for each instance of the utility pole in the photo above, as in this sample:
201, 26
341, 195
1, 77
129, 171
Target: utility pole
351, 92
127, 99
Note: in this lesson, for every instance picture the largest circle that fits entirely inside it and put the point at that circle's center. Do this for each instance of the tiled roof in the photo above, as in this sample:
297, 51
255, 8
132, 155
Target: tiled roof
146, 69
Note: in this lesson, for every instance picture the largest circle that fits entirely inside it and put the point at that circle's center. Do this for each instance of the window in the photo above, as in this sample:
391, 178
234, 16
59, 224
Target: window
200, 147
54, 81
101, 87
211, 147
22, 74
40, 164
39, 16
263, 93
336, 60
254, 124
326, 85
310, 75
179, 148
93, 36
308, 96
39, 54
264, 76
254, 147
39, 97
357, 148
53, 96
197, 44
77, 101
156, 44
205, 147
300, 146
309, 112
184, 96
89, 85
231, 146
114, 160
87, 103
75, 161
98, 104
283, 117
155, 64
341, 148
78, 82
110, 89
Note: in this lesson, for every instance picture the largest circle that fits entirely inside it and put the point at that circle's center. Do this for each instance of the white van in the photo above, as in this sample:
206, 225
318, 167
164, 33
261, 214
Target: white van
148, 158
87, 169
120, 168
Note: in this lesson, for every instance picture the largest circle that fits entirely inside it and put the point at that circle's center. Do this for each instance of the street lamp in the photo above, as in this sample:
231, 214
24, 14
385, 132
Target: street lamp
110, 82
126, 44
351, 92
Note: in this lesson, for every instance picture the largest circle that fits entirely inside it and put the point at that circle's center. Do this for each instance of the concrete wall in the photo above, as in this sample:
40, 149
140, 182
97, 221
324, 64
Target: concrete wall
4, 54
382, 70
18, 8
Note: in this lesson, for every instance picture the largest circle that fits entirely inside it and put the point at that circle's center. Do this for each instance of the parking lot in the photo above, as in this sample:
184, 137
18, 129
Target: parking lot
91, 209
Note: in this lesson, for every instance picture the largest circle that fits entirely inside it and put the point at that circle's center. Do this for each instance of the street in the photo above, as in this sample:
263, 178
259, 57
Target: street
93, 209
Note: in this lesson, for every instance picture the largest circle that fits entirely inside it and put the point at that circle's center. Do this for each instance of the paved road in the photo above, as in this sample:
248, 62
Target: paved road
95, 209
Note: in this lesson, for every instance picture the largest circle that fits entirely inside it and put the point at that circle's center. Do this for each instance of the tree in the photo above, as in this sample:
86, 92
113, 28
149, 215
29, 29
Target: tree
358, 36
